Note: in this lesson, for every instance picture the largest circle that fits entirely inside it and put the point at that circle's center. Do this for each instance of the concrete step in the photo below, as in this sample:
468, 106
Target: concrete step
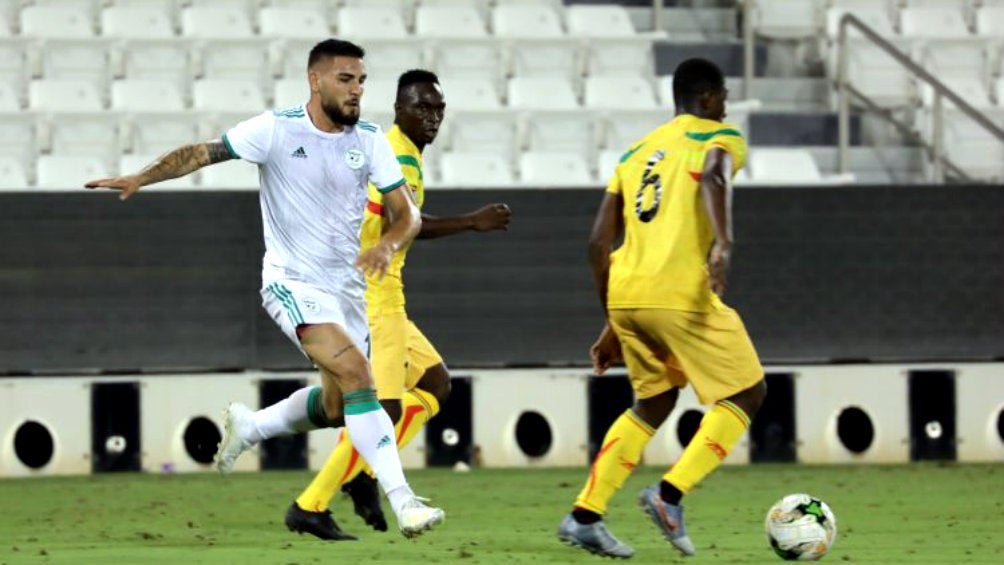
798, 128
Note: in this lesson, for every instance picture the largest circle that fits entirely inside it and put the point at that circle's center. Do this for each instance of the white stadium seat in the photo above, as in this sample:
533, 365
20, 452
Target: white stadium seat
787, 19
623, 129
873, 72
961, 65
245, 59
12, 174
548, 169
235, 173
449, 21
874, 15
156, 133
945, 22
136, 22
63, 95
606, 162
133, 163
86, 135
473, 94
990, 21
296, 23
160, 59
999, 91
552, 130
64, 22
228, 95
370, 23
78, 59
288, 92
475, 169
146, 95
975, 150
484, 131
526, 21
542, 93
379, 94
621, 93
469, 58
18, 139
619, 57
547, 58
14, 65
212, 22
10, 100
609, 20
58, 171
783, 166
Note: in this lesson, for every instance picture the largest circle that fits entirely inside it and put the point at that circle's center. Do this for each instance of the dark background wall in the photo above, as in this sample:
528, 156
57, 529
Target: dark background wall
169, 281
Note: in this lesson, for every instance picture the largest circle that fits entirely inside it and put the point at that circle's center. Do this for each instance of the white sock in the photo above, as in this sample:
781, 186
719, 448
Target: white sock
288, 416
372, 434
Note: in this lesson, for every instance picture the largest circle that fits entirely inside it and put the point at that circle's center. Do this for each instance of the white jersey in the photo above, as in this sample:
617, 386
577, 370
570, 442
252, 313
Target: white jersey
313, 194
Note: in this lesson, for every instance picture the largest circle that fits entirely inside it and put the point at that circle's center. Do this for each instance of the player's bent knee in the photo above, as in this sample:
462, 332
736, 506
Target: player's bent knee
654, 410
393, 408
436, 381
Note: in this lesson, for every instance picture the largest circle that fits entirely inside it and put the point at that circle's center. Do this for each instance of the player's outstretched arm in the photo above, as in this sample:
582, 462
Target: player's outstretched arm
716, 189
607, 229
177, 163
405, 222
487, 218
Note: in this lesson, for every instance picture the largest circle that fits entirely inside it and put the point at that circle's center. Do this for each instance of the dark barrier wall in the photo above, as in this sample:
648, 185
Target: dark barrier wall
169, 281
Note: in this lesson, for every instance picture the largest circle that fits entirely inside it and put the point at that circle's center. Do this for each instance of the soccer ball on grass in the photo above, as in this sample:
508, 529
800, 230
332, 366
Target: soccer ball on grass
800, 527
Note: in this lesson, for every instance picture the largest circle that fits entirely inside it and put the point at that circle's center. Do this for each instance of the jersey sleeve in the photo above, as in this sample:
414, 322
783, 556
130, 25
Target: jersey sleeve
385, 172
251, 139
732, 141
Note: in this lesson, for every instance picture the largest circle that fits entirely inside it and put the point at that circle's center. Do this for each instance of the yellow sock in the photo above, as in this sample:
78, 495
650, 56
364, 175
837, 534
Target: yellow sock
344, 463
720, 429
617, 458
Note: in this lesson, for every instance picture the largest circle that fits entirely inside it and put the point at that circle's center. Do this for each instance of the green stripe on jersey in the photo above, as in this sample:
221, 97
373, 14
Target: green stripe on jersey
230, 148
410, 161
366, 126
391, 187
290, 112
627, 155
711, 134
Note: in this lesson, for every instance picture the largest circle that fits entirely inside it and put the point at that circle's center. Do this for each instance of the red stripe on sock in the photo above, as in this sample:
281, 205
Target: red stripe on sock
592, 470
406, 420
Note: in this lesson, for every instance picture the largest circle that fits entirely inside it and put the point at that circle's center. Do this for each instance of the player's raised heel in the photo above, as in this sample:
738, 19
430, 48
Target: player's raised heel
317, 524
667, 517
415, 517
594, 538
235, 417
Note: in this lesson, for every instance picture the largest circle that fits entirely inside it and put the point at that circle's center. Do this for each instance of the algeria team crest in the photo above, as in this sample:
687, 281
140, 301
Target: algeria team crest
354, 158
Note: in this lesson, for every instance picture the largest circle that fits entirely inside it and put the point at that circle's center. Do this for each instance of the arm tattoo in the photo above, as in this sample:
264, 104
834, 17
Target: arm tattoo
184, 160
217, 152
342, 351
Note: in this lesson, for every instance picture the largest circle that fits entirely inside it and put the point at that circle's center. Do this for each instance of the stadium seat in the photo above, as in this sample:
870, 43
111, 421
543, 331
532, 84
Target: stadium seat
552, 130
86, 135
19, 139
933, 22
608, 20
288, 92
12, 175
449, 21
619, 93
78, 59
404, 8
389, 58
472, 94
664, 90
242, 59
63, 95
377, 22
155, 133
787, 19
159, 59
883, 79
998, 89
495, 132
959, 4
550, 169
10, 100
228, 95
213, 22
624, 128
139, 22
64, 22
295, 23
972, 148
874, 14
547, 58
147, 95
962, 65
990, 21
129, 164
526, 21
469, 58
541, 93
236, 174
606, 162
783, 166
58, 171
384, 119
475, 170
619, 57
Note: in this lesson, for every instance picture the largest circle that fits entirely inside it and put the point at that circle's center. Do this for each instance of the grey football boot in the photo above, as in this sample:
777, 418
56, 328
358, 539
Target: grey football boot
594, 538
667, 517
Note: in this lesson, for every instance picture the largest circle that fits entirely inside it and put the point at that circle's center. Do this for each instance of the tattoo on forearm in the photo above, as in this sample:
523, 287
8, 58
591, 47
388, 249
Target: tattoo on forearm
217, 152
341, 351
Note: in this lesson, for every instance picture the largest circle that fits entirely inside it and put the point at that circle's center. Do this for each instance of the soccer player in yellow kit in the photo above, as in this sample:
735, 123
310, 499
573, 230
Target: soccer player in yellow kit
670, 199
412, 381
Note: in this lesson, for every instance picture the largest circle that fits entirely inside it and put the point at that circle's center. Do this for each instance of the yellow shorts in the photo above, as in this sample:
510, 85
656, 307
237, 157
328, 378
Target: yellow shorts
666, 349
400, 354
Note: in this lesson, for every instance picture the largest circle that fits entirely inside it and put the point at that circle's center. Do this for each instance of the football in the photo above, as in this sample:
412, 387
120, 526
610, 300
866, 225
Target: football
800, 527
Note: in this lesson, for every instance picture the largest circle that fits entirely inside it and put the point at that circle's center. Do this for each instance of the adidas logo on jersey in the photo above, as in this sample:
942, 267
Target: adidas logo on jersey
299, 153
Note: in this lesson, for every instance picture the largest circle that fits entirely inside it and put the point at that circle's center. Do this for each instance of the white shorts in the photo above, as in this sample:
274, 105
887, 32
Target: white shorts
293, 303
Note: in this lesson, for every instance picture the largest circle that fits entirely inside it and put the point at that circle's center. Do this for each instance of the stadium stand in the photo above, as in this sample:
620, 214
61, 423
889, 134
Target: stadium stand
554, 76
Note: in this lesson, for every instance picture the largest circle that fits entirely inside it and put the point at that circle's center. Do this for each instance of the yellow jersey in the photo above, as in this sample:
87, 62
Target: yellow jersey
387, 295
662, 262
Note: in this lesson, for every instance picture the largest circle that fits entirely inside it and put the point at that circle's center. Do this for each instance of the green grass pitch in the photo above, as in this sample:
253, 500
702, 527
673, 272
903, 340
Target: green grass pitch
923, 513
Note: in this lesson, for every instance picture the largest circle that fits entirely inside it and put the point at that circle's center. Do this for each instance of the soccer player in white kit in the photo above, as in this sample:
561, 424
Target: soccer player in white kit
315, 162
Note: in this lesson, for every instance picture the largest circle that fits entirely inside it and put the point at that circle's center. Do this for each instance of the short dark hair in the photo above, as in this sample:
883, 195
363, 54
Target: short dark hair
415, 76
694, 77
334, 48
